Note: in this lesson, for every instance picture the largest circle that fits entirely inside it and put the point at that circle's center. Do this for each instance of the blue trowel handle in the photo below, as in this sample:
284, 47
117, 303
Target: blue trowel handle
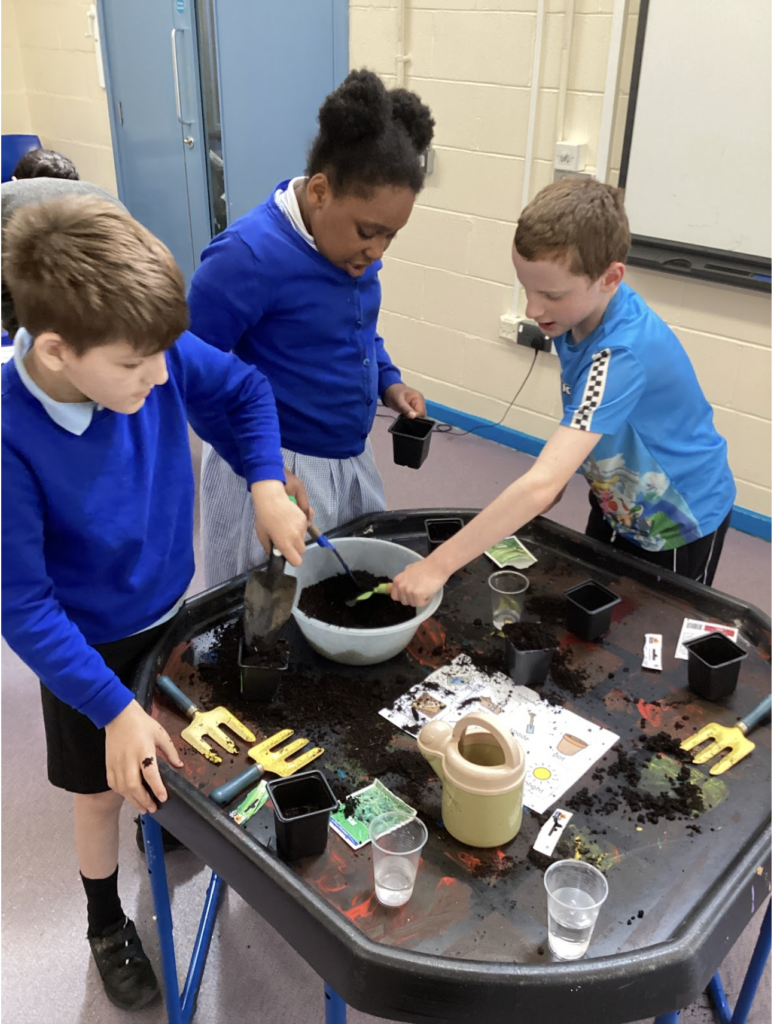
168, 688
230, 789
323, 541
757, 715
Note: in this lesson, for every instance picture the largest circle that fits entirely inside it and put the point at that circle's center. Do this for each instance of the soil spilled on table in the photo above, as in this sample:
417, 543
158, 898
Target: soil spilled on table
327, 602
683, 801
308, 701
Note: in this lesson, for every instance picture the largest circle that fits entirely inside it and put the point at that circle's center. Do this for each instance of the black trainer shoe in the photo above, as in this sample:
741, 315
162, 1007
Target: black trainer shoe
168, 841
125, 969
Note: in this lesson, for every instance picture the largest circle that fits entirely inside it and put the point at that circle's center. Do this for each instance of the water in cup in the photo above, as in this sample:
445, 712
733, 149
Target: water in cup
394, 881
575, 892
571, 920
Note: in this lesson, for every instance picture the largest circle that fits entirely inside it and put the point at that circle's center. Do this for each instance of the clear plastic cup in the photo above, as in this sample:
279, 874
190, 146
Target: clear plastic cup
576, 891
507, 589
396, 840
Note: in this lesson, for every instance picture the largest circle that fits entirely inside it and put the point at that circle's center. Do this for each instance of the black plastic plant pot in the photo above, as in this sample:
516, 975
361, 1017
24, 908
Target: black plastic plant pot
302, 812
527, 668
260, 682
411, 440
713, 665
440, 530
589, 609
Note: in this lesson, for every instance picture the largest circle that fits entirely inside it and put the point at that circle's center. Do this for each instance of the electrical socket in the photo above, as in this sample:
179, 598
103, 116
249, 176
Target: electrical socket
509, 327
570, 156
528, 333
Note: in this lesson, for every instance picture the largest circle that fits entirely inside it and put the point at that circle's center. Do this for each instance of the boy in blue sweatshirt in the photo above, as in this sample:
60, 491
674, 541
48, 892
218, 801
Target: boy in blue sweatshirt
98, 509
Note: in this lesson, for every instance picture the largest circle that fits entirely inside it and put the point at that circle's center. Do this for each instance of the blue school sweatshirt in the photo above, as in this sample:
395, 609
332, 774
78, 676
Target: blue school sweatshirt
262, 291
97, 527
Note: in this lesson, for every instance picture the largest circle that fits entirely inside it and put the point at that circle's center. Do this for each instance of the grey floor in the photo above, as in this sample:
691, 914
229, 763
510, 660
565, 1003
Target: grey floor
252, 975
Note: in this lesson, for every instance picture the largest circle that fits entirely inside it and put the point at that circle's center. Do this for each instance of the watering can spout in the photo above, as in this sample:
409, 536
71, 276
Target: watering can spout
432, 742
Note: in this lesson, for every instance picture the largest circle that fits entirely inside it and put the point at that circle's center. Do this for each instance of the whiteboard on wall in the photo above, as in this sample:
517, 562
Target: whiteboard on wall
696, 166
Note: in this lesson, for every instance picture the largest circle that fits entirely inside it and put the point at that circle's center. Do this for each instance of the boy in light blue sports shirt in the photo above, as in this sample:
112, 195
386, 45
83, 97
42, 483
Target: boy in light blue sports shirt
635, 421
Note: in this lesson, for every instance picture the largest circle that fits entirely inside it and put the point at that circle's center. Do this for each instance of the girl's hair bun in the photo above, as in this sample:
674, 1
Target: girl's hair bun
409, 111
358, 110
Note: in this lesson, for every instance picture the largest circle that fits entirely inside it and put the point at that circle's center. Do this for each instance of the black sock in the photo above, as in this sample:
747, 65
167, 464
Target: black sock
104, 906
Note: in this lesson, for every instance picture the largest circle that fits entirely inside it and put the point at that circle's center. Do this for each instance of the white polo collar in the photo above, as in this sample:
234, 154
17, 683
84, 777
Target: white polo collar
74, 417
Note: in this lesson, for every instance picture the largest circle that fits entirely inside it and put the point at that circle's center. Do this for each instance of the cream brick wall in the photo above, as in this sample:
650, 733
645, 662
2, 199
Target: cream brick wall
448, 277
45, 48
16, 111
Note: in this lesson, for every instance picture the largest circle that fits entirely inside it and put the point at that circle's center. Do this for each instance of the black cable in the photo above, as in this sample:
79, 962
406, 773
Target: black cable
447, 428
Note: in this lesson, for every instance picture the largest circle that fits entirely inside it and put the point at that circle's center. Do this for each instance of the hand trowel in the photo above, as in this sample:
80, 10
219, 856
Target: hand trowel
269, 597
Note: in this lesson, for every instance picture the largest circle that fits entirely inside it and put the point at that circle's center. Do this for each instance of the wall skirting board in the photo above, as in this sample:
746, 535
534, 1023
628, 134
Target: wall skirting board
743, 519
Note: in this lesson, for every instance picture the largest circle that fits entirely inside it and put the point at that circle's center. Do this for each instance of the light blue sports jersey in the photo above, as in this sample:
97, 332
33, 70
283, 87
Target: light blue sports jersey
660, 472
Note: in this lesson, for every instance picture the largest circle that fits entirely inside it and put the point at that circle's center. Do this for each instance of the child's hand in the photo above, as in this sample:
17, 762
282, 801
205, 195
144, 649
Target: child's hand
417, 583
131, 742
294, 488
279, 522
401, 398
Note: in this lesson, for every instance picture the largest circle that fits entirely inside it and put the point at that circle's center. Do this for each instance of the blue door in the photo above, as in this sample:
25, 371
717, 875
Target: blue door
154, 96
277, 61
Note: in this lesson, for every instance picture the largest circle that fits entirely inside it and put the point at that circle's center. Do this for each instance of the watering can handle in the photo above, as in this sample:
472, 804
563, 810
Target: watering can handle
490, 723
229, 789
757, 715
168, 688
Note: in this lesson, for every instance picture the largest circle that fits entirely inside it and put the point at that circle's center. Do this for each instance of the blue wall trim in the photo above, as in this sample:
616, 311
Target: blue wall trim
743, 519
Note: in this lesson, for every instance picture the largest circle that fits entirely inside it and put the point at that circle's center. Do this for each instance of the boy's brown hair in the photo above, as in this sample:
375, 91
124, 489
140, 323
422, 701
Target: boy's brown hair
83, 268
580, 218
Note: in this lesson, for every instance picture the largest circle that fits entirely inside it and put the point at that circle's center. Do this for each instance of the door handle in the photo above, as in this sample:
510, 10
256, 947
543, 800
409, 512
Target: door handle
189, 141
176, 78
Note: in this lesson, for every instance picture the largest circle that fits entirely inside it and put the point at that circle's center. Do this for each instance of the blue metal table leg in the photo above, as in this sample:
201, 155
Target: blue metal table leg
201, 946
154, 852
335, 1007
668, 1018
754, 971
718, 998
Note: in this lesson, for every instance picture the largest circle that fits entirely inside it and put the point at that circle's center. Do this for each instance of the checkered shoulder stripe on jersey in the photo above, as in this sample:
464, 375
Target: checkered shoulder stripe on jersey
594, 390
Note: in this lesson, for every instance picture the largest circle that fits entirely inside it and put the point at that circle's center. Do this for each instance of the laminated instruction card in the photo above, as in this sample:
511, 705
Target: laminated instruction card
560, 747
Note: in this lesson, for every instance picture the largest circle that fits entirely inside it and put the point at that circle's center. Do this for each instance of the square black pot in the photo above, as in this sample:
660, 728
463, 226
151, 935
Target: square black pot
302, 812
713, 665
439, 530
527, 668
589, 609
411, 440
259, 682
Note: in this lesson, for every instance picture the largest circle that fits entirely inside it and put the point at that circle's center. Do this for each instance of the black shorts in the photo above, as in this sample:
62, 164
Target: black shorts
697, 560
75, 746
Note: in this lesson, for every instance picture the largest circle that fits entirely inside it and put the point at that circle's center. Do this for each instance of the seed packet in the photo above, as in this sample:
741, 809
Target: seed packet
251, 804
510, 553
353, 817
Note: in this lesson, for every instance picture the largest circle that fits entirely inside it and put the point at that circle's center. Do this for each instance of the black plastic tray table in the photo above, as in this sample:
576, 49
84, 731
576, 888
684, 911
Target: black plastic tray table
471, 943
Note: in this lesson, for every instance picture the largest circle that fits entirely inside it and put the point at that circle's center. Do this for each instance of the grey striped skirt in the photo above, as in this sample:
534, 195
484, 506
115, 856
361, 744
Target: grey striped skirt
339, 490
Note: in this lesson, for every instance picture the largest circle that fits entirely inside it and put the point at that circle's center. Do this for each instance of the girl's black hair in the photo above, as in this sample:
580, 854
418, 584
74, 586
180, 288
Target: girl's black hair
370, 136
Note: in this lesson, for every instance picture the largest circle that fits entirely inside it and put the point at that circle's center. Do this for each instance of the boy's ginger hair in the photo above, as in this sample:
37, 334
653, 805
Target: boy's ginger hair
583, 219
81, 267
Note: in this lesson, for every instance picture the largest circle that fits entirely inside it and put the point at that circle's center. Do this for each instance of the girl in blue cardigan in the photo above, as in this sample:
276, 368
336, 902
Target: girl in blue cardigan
292, 288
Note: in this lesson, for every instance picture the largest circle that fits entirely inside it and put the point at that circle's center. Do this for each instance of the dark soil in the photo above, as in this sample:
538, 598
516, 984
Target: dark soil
530, 636
274, 655
327, 602
563, 675
308, 700
685, 801
550, 608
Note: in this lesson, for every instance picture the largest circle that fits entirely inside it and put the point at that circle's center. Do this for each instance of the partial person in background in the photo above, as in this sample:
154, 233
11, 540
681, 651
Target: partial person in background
16, 194
292, 287
636, 422
44, 163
